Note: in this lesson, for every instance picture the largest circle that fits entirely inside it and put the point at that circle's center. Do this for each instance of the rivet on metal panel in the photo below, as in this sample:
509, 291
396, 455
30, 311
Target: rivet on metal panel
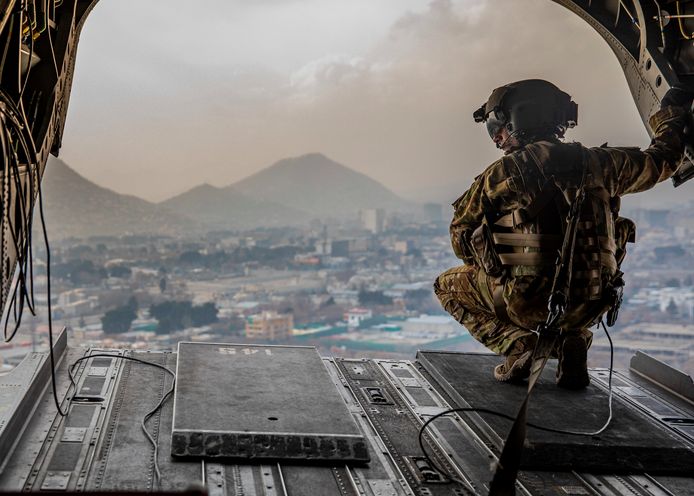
56, 481
98, 371
74, 434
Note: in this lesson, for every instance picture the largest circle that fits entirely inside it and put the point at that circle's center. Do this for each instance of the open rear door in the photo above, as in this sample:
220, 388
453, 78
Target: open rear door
654, 43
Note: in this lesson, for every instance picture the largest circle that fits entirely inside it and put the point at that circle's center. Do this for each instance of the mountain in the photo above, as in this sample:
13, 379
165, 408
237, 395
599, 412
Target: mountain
322, 187
75, 206
226, 208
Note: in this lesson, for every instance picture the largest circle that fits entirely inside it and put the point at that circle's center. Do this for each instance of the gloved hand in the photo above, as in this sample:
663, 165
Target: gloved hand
678, 96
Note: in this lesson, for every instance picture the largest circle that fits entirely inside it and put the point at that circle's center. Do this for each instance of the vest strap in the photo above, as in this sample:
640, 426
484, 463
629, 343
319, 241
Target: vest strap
548, 241
537, 258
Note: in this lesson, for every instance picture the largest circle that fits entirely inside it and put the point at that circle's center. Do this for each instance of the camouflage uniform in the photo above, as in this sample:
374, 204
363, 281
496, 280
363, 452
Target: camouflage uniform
466, 292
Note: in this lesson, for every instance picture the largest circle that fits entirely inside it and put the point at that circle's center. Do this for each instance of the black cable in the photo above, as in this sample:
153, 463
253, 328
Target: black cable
148, 415
32, 160
21, 246
48, 296
22, 293
24, 296
451, 478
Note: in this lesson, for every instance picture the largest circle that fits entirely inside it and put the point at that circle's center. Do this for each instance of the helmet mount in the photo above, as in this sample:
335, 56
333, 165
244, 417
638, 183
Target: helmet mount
529, 110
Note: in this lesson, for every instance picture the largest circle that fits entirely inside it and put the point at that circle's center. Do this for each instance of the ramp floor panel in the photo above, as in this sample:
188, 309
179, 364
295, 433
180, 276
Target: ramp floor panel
275, 402
633, 441
100, 445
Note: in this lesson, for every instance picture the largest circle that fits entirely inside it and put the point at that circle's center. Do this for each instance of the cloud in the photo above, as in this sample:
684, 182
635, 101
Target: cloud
398, 110
327, 72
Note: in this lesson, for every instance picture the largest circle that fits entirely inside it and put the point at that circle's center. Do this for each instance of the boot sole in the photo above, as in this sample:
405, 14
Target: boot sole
519, 371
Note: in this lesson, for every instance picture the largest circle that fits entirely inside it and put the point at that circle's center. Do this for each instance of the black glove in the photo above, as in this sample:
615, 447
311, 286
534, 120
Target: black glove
678, 96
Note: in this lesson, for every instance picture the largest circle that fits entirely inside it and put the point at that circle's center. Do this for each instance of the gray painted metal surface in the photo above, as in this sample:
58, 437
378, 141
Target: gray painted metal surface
100, 444
20, 391
662, 375
634, 441
275, 402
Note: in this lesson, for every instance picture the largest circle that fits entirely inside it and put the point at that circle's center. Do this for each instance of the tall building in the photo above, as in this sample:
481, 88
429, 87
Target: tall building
269, 326
373, 219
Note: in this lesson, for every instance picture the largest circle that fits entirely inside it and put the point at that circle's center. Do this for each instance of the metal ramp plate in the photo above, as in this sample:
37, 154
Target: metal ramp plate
260, 402
632, 443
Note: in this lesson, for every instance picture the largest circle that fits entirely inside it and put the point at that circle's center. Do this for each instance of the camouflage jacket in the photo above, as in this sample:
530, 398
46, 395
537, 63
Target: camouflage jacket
503, 187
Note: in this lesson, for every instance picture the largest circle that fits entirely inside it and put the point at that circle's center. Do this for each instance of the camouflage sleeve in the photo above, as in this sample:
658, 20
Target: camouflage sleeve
630, 170
467, 215
481, 200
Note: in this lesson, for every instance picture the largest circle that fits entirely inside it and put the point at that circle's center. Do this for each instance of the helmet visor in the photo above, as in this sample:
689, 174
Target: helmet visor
494, 124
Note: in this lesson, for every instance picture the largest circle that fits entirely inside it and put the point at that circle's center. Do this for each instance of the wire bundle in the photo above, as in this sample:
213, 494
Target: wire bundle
19, 153
19, 157
17, 205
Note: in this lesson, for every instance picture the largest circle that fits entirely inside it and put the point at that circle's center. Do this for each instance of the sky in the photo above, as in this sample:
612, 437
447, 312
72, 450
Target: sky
170, 94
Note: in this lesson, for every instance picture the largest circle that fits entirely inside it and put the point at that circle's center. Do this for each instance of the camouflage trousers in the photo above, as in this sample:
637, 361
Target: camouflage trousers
466, 293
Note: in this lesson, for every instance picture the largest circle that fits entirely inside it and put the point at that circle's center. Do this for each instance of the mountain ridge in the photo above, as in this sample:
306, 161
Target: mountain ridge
77, 207
290, 192
225, 208
317, 184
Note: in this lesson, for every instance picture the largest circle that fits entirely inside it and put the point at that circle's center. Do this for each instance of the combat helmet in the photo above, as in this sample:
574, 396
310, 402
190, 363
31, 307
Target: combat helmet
529, 109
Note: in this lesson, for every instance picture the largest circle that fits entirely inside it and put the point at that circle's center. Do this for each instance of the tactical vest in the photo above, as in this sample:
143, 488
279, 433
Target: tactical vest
528, 240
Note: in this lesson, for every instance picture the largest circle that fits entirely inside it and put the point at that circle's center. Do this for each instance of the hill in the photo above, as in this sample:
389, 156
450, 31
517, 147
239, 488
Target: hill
226, 208
315, 184
75, 206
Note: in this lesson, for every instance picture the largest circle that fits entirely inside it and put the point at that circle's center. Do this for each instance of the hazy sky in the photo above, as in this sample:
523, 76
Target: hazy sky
170, 94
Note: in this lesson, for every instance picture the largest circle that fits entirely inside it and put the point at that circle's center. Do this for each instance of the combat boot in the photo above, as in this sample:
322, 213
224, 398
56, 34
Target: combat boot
572, 371
516, 367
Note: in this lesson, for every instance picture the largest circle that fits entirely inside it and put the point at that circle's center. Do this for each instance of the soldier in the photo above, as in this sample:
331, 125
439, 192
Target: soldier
508, 227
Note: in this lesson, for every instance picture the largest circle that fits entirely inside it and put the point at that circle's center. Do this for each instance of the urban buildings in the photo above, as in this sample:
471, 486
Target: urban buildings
269, 326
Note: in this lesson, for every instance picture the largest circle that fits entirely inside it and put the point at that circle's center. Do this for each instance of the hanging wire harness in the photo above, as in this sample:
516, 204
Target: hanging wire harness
21, 190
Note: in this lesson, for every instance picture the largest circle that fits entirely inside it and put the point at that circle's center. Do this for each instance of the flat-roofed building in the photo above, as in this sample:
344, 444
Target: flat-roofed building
355, 316
269, 326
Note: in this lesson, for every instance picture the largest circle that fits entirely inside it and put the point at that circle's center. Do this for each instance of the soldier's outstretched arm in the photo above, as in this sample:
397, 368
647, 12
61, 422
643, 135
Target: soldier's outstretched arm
630, 170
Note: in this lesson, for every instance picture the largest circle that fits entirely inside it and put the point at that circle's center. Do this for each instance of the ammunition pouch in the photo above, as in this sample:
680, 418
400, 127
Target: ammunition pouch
485, 252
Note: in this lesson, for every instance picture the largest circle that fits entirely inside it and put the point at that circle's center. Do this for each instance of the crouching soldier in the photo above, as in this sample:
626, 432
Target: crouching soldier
508, 228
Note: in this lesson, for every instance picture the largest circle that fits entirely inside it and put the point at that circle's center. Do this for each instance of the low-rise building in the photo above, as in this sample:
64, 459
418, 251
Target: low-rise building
269, 326
356, 316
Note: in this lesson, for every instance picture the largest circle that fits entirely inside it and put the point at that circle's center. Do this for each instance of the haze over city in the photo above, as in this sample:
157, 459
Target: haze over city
168, 95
